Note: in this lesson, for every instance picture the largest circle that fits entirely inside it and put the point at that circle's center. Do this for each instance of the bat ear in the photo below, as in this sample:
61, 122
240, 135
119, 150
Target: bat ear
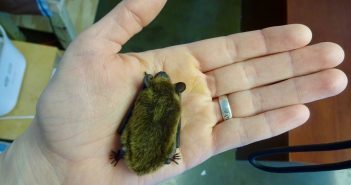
147, 79
180, 87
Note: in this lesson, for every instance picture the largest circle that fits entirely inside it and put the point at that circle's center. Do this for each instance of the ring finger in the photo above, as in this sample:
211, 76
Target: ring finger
297, 90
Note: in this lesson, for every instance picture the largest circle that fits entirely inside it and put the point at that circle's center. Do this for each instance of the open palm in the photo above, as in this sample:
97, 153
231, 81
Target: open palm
267, 76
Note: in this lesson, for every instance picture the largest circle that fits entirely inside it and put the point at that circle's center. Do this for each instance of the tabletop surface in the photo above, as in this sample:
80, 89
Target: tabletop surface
330, 119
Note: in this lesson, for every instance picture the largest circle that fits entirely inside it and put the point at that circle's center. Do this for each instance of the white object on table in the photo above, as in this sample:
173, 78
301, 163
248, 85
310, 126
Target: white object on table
12, 68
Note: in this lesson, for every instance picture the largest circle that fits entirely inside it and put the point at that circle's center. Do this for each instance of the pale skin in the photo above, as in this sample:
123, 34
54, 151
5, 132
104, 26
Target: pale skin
268, 75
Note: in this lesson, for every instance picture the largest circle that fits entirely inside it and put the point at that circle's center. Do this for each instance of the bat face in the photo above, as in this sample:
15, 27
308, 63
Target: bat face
151, 133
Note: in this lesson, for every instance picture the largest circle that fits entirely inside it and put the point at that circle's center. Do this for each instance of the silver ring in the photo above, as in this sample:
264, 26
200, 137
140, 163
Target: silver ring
225, 107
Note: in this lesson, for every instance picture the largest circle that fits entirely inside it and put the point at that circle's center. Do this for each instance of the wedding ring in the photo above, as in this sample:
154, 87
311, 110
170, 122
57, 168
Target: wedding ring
225, 107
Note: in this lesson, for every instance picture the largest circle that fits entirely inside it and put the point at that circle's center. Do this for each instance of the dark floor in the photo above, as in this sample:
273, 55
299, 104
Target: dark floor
183, 21
223, 169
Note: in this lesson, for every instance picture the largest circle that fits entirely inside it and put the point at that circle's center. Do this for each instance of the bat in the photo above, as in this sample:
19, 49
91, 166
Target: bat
150, 135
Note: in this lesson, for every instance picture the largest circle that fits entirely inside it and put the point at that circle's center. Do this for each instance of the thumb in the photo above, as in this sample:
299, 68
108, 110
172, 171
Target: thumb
127, 19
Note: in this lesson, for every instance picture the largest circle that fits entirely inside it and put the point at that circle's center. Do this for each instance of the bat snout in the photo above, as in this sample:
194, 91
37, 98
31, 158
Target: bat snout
162, 74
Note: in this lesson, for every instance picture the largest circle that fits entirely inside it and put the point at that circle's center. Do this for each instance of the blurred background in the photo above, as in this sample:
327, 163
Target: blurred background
42, 29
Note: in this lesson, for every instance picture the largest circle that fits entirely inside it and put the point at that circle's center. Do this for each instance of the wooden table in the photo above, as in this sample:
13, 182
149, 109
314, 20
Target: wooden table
330, 119
39, 64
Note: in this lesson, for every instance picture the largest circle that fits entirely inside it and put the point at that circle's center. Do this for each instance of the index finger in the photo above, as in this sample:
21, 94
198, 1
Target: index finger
221, 51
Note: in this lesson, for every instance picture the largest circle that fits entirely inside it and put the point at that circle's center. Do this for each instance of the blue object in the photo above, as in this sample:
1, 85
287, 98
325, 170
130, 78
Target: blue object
44, 8
303, 148
3, 146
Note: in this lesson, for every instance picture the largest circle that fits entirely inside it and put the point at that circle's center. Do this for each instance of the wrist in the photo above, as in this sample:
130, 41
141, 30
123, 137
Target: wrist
26, 161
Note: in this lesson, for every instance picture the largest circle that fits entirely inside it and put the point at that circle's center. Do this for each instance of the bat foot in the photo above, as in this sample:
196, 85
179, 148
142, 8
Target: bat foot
116, 156
174, 159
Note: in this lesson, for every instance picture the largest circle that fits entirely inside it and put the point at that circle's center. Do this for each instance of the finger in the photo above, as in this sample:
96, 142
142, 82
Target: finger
127, 19
273, 68
238, 132
298, 90
221, 51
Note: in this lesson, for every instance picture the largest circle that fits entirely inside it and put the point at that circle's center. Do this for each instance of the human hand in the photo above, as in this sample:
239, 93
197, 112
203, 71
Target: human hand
267, 76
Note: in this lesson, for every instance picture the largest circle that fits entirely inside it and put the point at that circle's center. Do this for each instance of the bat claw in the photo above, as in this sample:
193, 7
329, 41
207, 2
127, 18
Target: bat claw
175, 157
115, 157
